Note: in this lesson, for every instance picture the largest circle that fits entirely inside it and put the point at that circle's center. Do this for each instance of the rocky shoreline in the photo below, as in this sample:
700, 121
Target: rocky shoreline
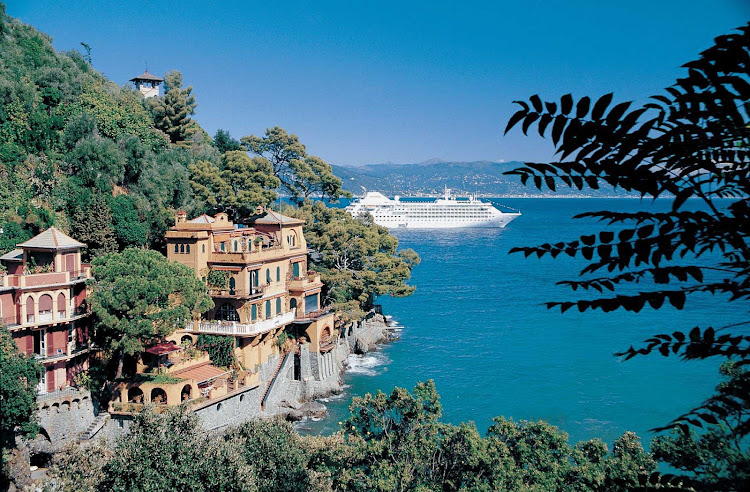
358, 337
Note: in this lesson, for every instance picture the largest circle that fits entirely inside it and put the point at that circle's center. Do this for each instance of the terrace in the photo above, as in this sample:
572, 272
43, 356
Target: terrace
217, 327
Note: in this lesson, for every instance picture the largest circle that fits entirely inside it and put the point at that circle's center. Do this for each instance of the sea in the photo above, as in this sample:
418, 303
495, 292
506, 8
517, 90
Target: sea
477, 326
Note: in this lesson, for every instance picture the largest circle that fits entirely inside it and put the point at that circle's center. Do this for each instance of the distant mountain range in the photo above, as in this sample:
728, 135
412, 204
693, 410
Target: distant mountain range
430, 178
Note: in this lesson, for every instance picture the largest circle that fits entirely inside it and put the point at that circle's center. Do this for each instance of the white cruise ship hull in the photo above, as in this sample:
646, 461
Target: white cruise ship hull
445, 213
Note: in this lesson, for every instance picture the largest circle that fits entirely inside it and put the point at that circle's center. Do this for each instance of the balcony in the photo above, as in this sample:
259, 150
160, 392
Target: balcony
307, 282
239, 293
313, 315
246, 257
46, 279
217, 327
47, 317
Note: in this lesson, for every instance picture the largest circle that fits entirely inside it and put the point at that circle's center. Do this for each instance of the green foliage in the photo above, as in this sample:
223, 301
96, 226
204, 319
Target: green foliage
237, 185
12, 234
92, 225
691, 142
19, 378
224, 141
172, 111
301, 175
139, 297
217, 279
220, 349
129, 228
360, 259
170, 452
717, 458
396, 442
276, 452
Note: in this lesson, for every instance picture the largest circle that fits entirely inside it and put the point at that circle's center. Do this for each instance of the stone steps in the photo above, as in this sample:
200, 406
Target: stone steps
94, 427
271, 380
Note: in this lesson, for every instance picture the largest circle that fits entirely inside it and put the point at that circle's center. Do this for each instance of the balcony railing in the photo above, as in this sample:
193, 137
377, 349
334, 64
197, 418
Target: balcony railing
45, 316
252, 292
217, 327
315, 314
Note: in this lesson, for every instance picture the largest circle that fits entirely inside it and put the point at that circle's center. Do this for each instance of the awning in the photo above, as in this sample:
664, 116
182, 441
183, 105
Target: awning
163, 348
201, 373
226, 268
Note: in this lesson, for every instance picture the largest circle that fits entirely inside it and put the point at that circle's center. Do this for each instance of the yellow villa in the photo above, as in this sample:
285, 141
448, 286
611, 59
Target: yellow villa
257, 276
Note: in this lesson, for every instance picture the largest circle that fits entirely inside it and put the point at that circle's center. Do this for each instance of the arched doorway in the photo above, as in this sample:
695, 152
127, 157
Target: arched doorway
232, 284
292, 304
186, 340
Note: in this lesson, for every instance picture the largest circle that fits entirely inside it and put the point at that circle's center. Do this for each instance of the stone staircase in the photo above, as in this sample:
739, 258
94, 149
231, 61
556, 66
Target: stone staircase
95, 427
271, 381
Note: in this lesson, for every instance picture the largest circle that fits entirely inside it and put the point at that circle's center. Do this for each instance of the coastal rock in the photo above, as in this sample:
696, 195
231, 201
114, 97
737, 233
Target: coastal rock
314, 409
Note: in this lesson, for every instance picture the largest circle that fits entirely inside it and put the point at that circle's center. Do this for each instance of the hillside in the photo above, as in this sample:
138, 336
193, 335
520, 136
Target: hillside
429, 178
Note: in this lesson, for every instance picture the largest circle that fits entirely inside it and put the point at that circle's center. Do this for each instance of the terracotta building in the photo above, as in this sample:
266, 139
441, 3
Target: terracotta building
43, 305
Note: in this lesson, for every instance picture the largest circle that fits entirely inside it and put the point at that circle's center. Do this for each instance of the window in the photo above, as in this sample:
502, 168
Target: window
268, 276
254, 277
182, 248
176, 248
235, 246
227, 312
254, 312
311, 303
222, 246
278, 274
187, 248
71, 334
268, 309
295, 269
278, 305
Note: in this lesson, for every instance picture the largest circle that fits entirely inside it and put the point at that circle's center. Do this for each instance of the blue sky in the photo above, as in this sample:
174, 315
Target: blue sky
372, 82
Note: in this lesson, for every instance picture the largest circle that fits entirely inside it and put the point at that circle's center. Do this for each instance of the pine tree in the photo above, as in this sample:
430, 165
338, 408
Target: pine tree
172, 111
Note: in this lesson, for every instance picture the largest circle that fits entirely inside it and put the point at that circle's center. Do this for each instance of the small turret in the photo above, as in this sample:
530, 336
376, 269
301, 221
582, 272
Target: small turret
147, 84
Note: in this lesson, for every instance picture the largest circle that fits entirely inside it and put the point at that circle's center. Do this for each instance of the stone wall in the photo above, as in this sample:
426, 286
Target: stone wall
63, 416
320, 374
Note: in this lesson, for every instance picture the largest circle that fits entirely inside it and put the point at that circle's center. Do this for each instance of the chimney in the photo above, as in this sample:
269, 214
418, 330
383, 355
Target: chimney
180, 217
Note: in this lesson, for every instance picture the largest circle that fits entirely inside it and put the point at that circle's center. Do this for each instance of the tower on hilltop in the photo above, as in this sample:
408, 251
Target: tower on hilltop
147, 84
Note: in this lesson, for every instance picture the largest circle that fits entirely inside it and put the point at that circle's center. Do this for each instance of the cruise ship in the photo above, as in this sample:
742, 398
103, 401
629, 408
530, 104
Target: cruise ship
443, 213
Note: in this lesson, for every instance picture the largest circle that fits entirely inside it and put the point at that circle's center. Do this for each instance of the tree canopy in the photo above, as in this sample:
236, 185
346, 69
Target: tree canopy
693, 141
19, 378
139, 296
173, 110
301, 175
359, 259
390, 442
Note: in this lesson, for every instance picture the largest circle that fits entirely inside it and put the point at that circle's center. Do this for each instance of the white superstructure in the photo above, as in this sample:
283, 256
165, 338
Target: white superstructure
442, 213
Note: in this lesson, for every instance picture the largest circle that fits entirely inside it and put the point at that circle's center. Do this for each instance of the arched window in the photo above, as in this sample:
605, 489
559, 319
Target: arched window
182, 248
278, 306
61, 308
268, 309
135, 395
158, 396
45, 308
227, 312
293, 304
232, 284
187, 248
30, 309
186, 392
278, 274
176, 248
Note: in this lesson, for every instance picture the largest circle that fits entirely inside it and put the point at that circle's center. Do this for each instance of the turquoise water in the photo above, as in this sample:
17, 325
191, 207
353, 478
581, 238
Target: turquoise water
477, 327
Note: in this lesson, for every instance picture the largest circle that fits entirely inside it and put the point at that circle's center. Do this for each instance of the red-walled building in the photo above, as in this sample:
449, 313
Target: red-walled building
43, 305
